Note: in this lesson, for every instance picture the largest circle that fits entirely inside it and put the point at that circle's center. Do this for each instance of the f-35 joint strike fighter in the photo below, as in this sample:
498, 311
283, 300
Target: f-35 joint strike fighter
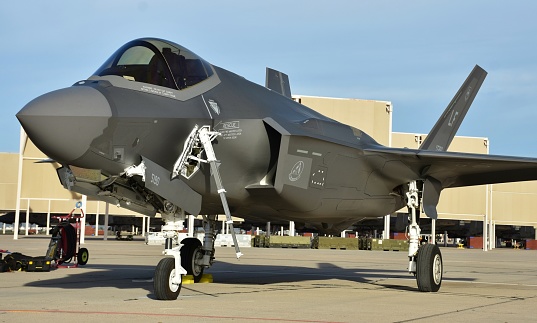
157, 129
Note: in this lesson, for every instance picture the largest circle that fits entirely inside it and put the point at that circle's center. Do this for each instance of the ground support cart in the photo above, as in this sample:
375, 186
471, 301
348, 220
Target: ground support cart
64, 247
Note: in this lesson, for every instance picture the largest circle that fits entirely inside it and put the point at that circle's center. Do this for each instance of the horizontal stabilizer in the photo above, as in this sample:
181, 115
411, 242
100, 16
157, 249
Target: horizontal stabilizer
446, 127
278, 82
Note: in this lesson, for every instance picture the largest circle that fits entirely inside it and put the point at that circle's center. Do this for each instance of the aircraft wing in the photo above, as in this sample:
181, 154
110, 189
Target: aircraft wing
441, 170
459, 169
453, 169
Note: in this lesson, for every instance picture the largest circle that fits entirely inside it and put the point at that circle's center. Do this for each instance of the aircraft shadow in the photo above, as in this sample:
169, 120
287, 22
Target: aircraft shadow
117, 276
140, 276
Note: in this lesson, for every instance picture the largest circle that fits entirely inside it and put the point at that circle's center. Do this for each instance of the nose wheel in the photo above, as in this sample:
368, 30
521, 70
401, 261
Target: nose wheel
165, 282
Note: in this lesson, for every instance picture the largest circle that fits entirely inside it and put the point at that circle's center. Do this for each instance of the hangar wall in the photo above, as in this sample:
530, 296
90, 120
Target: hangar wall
514, 203
372, 117
8, 181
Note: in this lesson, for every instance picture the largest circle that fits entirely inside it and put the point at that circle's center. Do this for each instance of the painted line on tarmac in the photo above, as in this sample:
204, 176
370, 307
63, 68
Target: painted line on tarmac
123, 268
142, 280
489, 283
217, 317
335, 275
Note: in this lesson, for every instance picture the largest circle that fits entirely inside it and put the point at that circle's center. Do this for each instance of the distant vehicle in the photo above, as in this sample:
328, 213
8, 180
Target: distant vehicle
9, 227
32, 228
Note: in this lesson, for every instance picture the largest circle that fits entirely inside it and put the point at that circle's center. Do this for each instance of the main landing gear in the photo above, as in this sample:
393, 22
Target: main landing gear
425, 262
191, 257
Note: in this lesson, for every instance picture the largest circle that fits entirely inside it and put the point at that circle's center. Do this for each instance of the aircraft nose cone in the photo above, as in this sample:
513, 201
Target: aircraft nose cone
63, 123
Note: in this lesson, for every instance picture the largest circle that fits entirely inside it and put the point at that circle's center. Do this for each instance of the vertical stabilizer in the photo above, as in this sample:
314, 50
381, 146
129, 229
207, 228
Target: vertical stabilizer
278, 82
446, 127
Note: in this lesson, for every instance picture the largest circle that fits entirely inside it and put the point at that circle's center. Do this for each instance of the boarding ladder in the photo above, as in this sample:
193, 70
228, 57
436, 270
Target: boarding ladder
199, 140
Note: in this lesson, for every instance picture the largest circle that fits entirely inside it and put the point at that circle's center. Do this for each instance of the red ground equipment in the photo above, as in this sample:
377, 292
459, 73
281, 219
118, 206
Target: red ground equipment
64, 247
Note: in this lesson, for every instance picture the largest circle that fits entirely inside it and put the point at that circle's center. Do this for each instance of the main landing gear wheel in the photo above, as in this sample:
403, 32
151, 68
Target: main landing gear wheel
191, 255
163, 284
83, 256
429, 268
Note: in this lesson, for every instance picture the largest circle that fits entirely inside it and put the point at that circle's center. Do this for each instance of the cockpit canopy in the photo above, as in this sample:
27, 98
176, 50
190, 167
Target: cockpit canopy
157, 62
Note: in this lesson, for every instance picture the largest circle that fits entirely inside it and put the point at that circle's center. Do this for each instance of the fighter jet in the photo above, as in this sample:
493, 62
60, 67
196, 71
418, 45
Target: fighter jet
157, 129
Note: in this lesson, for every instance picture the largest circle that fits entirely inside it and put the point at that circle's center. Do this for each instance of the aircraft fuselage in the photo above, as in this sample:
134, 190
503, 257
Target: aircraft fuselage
278, 158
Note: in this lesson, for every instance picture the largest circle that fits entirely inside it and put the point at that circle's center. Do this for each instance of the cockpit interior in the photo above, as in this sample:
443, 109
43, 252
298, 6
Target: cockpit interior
157, 62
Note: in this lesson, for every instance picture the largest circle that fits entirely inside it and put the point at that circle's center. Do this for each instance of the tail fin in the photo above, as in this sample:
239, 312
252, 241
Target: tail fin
278, 82
446, 127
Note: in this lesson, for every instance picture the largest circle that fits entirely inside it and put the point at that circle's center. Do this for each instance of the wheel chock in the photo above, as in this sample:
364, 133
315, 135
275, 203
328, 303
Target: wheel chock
206, 278
189, 279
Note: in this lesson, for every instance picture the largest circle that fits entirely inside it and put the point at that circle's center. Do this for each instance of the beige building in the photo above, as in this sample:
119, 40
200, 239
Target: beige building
372, 117
8, 181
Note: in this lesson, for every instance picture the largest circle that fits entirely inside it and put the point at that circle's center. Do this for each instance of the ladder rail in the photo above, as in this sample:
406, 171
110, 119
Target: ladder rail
205, 136
179, 168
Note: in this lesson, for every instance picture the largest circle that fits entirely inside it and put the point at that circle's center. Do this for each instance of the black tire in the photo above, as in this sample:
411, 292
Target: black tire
429, 268
162, 281
190, 252
83, 256
68, 241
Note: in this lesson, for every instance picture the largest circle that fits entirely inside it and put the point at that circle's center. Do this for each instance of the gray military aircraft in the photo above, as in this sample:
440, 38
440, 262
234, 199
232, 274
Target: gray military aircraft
157, 129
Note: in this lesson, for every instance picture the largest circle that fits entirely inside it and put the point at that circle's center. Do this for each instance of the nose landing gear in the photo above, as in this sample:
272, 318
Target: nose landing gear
192, 257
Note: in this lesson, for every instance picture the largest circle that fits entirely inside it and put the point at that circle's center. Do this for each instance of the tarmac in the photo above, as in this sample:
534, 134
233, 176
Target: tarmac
271, 285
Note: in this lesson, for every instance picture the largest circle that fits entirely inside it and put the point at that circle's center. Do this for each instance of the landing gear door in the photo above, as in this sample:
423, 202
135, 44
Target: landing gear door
157, 179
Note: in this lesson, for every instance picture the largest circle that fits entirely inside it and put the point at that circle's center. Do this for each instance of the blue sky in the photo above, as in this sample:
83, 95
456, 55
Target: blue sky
413, 53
